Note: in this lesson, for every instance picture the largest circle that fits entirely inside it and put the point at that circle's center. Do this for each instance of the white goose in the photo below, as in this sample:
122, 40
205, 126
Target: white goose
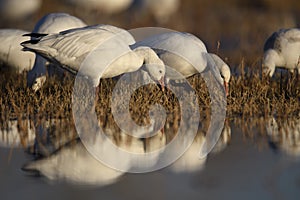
282, 49
106, 48
186, 54
50, 23
11, 54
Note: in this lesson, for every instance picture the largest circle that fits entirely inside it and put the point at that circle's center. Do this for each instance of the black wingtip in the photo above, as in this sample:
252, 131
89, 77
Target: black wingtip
35, 38
35, 35
26, 42
27, 34
32, 41
26, 49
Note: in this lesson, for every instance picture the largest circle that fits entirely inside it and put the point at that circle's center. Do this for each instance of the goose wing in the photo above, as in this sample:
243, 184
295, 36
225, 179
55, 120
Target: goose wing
279, 39
70, 47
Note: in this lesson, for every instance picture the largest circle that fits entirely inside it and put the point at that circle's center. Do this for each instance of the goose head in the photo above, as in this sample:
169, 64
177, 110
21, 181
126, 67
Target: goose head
152, 64
225, 74
224, 71
271, 59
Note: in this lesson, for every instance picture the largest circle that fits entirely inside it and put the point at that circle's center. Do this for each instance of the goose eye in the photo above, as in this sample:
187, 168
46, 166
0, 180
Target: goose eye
160, 71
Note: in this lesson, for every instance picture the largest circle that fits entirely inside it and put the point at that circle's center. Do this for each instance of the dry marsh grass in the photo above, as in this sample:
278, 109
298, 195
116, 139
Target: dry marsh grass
250, 96
249, 105
254, 97
236, 30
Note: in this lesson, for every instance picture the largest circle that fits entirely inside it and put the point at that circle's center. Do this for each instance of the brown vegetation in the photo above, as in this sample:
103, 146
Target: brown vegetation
234, 29
250, 96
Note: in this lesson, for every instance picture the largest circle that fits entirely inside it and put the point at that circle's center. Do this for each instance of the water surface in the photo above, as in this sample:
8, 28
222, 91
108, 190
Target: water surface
246, 163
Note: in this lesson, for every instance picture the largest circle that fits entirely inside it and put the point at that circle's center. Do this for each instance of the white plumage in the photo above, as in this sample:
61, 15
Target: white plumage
107, 48
282, 49
11, 54
50, 23
186, 54
56, 22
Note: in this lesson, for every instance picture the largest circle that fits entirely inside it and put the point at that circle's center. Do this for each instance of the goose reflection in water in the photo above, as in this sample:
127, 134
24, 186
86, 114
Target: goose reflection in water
189, 162
74, 164
17, 133
29, 134
284, 136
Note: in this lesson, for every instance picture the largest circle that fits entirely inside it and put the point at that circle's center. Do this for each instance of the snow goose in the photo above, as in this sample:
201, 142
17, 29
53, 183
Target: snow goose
110, 48
186, 54
224, 70
50, 23
282, 49
11, 53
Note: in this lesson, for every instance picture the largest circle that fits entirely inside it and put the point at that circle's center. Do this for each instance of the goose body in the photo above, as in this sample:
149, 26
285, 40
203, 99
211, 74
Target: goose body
107, 49
50, 23
171, 47
282, 49
186, 54
11, 54
56, 22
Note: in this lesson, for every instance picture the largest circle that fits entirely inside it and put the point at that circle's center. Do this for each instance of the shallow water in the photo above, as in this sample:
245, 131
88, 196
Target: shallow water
246, 163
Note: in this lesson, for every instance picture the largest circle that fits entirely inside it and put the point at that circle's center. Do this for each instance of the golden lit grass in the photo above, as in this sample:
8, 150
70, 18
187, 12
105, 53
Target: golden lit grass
18, 101
253, 96
240, 27
250, 96
250, 103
